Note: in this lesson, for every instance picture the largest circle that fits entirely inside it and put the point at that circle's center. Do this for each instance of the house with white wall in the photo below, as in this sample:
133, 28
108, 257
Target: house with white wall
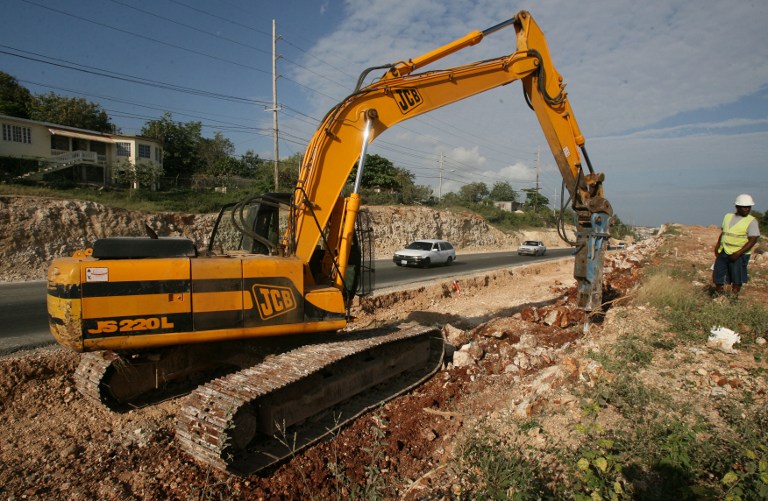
88, 154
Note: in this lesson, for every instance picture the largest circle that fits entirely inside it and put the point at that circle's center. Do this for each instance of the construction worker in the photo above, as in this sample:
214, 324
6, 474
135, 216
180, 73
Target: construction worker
739, 234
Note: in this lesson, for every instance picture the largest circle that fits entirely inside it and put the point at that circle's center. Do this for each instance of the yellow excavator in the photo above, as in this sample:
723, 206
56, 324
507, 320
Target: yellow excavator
261, 313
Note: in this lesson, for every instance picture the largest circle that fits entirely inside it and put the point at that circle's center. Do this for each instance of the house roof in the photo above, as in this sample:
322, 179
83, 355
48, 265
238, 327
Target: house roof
81, 135
64, 130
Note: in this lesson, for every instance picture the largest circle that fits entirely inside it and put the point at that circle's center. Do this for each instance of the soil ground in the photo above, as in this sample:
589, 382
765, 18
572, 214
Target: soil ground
521, 355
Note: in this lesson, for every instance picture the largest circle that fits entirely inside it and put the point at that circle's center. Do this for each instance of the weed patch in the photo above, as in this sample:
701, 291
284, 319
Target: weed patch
691, 313
492, 470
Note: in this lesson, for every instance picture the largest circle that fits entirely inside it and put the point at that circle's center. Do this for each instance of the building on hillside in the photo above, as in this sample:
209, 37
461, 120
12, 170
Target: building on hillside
508, 206
82, 155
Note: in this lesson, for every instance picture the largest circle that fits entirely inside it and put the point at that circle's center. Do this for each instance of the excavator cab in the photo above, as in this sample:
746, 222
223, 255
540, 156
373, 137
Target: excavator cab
253, 226
261, 225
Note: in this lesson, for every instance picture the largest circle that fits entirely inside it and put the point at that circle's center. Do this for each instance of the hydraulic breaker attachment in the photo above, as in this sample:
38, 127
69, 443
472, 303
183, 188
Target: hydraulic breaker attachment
588, 270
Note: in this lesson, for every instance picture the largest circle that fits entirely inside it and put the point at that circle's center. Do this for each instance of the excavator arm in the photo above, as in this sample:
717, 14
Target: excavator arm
400, 94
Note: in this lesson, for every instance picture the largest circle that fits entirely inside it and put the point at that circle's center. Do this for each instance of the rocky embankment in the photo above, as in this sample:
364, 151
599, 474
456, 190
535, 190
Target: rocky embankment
37, 230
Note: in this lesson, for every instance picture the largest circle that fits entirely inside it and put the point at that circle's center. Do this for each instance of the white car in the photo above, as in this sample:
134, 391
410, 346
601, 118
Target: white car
532, 248
425, 253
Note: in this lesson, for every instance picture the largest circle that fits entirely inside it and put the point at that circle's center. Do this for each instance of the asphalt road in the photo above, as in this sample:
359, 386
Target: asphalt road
388, 274
24, 314
25, 319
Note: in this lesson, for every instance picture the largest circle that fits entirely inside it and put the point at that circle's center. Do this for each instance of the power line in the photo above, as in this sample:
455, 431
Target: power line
62, 63
199, 30
430, 121
140, 105
215, 16
144, 37
216, 35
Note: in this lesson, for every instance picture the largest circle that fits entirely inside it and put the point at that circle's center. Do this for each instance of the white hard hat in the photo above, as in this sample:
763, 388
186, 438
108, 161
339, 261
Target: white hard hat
744, 200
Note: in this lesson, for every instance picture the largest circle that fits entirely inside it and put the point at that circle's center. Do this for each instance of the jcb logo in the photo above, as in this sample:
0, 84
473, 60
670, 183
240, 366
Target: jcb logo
273, 301
407, 99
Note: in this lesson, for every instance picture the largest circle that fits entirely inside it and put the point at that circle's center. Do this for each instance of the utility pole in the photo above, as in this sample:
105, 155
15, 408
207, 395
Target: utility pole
440, 191
536, 196
274, 100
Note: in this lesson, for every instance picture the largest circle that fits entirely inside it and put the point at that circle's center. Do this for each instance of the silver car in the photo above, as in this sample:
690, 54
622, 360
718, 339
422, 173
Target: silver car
425, 253
532, 248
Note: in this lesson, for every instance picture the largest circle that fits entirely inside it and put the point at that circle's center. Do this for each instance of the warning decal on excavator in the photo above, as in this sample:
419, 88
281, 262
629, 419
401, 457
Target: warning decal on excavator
97, 274
272, 300
407, 99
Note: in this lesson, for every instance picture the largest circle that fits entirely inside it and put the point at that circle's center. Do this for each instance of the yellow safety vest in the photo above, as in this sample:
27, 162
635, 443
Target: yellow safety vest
734, 237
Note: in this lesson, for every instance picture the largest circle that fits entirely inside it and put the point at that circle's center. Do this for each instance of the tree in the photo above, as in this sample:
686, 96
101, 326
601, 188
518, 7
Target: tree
534, 199
180, 144
473, 192
378, 172
502, 192
261, 171
15, 100
619, 230
216, 156
409, 192
385, 183
450, 199
250, 165
142, 174
70, 111
288, 172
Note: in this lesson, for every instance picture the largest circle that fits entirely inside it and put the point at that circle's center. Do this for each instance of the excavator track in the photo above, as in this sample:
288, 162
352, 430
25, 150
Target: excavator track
90, 373
125, 381
120, 382
259, 416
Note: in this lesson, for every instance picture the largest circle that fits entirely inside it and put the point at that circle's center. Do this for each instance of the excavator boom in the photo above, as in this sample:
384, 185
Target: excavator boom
401, 94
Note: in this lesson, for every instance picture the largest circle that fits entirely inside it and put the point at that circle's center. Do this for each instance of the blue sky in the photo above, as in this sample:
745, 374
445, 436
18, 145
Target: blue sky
672, 96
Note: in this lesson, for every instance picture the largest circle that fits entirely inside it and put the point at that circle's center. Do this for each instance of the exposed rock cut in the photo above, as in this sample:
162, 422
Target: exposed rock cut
37, 230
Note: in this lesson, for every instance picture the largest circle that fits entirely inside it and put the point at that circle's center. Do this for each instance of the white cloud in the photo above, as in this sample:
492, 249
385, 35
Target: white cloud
702, 128
517, 173
468, 157
631, 68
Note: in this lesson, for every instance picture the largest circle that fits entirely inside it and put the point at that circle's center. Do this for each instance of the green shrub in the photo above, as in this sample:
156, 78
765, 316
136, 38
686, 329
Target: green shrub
633, 351
598, 472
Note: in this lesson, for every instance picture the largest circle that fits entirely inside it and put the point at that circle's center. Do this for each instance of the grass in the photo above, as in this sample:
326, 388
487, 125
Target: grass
640, 436
663, 290
373, 486
495, 470
662, 450
691, 313
673, 230
661, 441
185, 201
195, 202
